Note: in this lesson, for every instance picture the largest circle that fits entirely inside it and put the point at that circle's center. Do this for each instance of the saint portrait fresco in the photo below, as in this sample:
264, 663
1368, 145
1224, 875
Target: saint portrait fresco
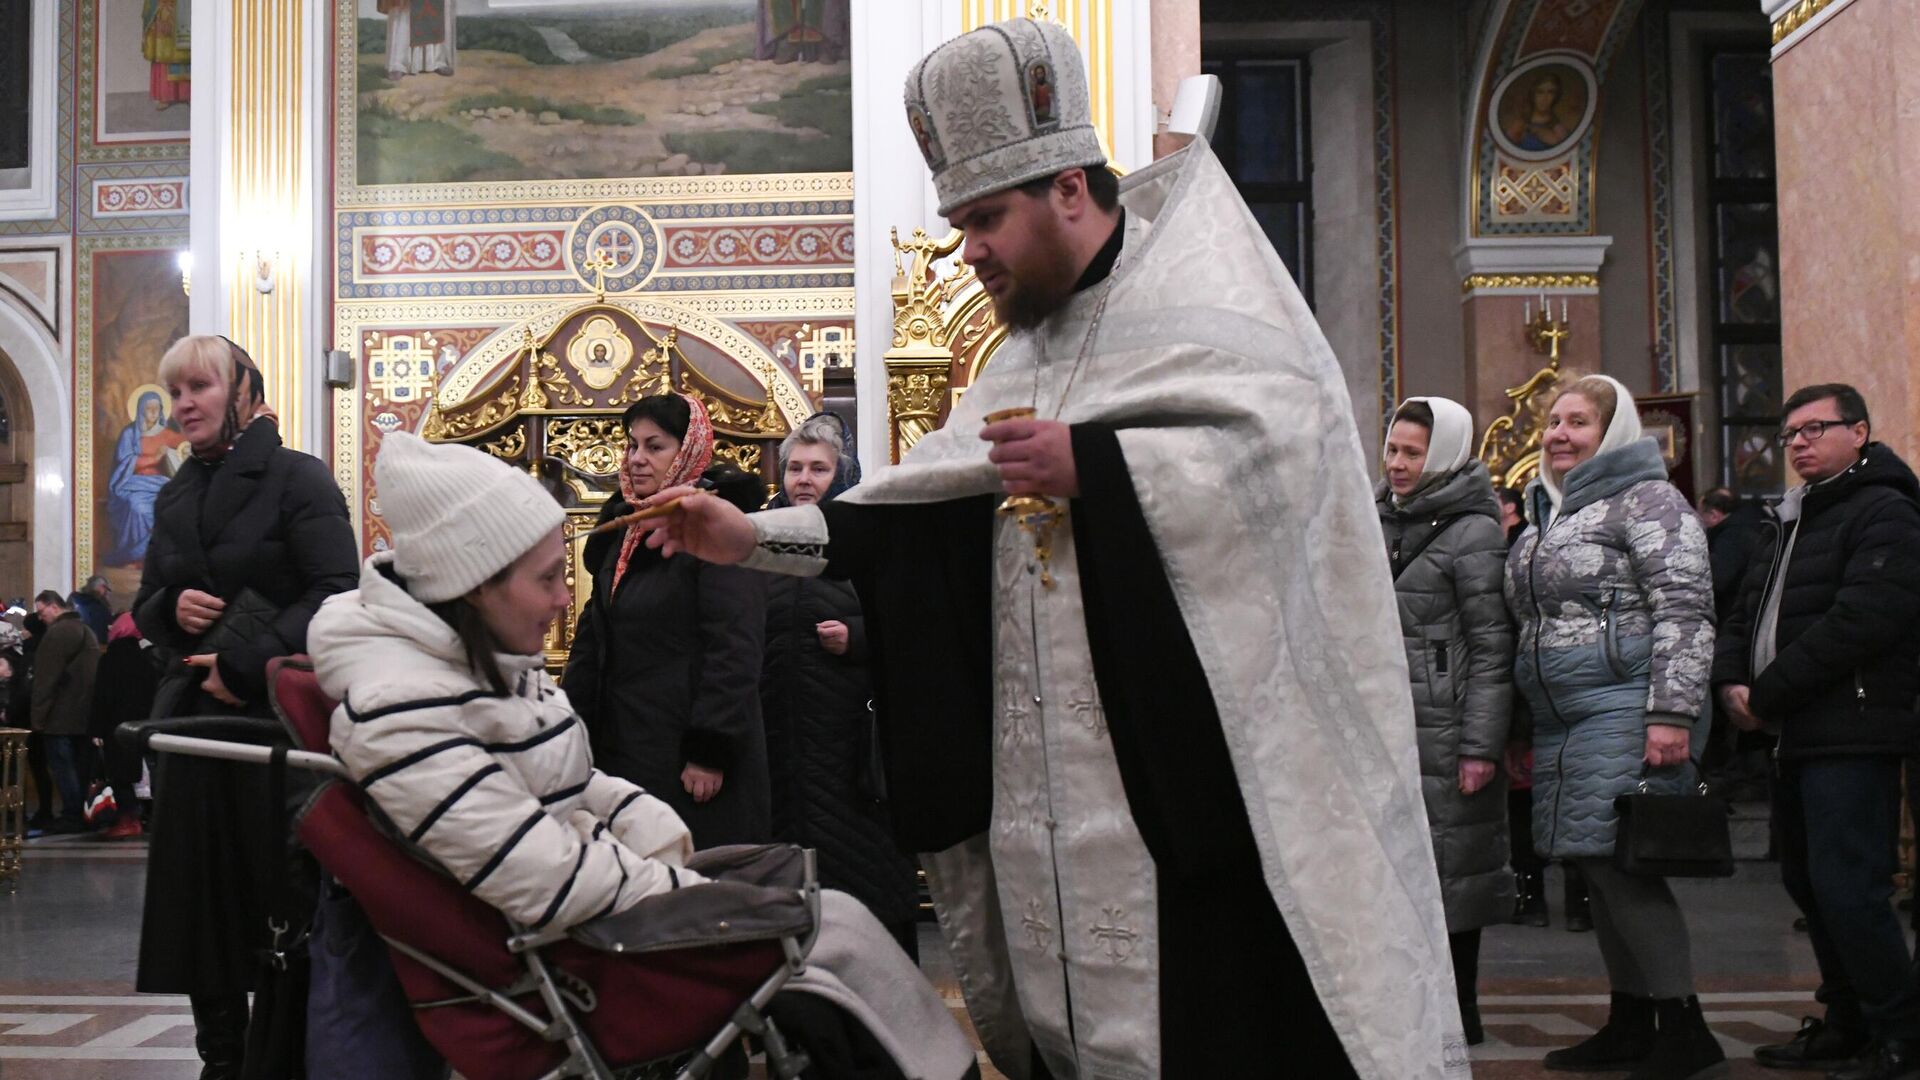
1543, 107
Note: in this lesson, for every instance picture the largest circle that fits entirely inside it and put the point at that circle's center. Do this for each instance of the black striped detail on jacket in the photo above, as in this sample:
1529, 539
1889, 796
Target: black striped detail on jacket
624, 803
536, 740
563, 794
411, 706
561, 896
415, 758
500, 856
617, 889
446, 804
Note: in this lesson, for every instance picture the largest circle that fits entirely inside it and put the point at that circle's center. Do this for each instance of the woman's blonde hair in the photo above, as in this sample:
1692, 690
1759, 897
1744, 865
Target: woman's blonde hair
1594, 389
205, 354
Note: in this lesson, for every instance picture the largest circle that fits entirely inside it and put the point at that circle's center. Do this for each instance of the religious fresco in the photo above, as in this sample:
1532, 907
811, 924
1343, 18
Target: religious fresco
681, 165
1542, 107
138, 310
143, 63
477, 91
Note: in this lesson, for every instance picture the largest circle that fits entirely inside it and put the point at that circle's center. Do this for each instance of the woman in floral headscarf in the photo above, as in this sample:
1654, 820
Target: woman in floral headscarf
665, 667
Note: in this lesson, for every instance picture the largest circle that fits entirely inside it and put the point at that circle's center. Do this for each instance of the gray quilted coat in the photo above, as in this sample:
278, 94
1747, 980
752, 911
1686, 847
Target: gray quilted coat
1447, 549
1614, 602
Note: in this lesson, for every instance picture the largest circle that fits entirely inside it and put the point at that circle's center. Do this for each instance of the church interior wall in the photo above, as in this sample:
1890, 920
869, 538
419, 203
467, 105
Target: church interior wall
1430, 63
1622, 212
705, 160
121, 196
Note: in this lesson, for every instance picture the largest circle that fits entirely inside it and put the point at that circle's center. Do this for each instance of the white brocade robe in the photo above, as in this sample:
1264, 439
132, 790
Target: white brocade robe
1076, 884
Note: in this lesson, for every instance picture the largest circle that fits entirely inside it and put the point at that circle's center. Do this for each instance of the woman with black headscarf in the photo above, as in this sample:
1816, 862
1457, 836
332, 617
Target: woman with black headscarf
665, 665
248, 538
817, 699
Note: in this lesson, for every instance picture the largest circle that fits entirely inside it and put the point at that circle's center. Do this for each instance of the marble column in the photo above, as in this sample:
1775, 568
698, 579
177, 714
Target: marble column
1846, 89
1500, 280
1176, 56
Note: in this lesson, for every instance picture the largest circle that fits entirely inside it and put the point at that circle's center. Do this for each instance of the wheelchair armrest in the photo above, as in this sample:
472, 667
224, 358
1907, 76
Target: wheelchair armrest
698, 916
254, 730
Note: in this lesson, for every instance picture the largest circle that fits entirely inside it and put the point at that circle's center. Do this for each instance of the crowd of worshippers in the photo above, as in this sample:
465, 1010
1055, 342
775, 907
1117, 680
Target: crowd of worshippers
1562, 644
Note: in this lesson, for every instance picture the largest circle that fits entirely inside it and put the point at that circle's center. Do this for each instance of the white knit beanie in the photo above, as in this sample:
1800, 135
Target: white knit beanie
458, 515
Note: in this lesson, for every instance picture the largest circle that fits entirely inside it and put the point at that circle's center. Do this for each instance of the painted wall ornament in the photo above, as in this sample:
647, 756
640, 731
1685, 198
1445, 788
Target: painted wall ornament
1544, 106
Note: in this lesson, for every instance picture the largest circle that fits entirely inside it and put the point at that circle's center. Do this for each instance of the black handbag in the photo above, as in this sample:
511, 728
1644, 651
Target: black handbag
1672, 835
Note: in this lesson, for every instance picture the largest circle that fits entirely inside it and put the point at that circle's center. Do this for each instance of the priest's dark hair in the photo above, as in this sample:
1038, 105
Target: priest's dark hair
1415, 412
670, 411
1102, 185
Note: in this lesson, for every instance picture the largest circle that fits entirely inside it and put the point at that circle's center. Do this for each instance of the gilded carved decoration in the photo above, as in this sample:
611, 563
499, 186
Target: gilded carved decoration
1511, 446
590, 445
1529, 282
1796, 17
944, 332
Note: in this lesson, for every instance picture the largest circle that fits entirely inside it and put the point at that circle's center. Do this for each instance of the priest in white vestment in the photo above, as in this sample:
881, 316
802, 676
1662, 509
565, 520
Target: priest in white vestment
1163, 779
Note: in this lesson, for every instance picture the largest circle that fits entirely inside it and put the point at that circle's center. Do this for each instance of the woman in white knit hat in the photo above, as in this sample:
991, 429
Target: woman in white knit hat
451, 724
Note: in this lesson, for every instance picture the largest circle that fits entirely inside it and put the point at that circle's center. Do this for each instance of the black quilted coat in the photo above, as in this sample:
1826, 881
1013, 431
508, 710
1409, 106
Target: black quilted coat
820, 747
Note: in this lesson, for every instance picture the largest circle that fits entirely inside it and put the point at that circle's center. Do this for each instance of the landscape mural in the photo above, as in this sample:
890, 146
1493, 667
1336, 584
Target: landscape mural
457, 91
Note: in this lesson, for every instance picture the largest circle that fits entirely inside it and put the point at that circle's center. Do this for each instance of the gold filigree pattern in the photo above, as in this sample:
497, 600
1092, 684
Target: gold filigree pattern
508, 446
913, 405
1511, 447
589, 445
467, 421
746, 456
652, 375
1796, 17
1529, 282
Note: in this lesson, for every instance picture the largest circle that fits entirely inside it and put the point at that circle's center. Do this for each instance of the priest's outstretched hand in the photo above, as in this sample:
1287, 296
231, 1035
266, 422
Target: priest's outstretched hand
703, 525
1035, 457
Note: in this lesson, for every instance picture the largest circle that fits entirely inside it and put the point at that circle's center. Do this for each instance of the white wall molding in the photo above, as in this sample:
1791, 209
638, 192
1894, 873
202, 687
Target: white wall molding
32, 193
1531, 255
42, 363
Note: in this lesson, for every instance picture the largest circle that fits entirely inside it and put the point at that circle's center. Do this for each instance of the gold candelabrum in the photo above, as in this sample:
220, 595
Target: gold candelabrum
1036, 515
1544, 332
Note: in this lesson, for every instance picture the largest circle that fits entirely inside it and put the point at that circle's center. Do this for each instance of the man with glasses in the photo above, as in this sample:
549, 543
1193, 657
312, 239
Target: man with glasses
1821, 645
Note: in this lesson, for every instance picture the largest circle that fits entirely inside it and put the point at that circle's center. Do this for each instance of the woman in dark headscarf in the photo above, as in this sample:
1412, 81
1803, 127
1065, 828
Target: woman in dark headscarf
666, 658
249, 538
815, 694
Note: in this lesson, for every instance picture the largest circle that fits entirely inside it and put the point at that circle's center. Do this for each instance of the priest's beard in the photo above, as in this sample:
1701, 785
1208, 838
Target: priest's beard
1043, 280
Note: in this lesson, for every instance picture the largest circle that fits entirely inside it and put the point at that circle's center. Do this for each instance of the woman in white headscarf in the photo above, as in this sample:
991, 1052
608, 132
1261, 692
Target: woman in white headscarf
1447, 547
1613, 596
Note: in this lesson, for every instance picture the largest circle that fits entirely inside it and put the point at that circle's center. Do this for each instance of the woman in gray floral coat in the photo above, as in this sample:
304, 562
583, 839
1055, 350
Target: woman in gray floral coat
1613, 596
1446, 549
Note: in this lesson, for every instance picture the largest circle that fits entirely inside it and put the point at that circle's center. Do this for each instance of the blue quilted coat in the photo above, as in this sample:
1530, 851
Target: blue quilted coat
1614, 606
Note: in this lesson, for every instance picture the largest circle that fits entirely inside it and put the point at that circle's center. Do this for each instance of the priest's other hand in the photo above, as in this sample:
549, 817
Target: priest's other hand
704, 525
701, 782
1035, 457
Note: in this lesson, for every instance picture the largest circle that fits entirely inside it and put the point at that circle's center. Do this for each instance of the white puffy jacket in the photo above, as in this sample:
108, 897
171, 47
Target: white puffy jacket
499, 789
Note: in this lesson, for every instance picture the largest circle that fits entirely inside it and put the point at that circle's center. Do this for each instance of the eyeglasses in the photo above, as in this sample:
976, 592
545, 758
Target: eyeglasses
1812, 429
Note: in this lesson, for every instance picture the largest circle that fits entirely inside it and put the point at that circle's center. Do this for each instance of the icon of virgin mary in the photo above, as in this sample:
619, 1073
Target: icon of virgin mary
144, 459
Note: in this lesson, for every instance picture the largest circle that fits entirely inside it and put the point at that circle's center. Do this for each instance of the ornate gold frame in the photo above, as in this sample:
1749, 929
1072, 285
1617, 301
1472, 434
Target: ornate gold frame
1511, 446
944, 332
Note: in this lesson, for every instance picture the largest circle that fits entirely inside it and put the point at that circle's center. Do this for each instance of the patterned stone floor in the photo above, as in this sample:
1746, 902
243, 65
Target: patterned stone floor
68, 937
